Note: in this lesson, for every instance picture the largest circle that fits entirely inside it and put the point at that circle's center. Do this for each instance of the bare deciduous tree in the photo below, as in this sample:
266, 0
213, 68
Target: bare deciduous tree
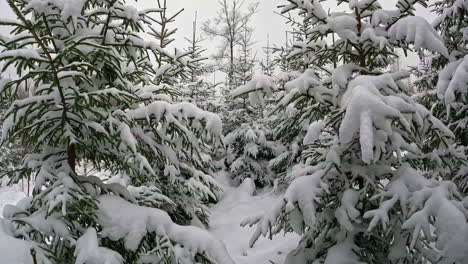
232, 17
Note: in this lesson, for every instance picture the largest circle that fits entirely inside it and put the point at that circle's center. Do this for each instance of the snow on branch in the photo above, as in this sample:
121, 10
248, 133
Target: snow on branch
431, 208
255, 88
300, 197
134, 222
453, 80
161, 109
88, 250
418, 31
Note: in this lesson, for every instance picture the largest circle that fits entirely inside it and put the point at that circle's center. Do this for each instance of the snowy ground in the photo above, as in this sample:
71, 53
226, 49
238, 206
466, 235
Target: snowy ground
236, 205
10, 195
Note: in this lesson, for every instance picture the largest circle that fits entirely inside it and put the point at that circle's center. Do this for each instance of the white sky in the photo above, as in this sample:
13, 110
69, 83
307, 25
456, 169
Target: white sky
266, 22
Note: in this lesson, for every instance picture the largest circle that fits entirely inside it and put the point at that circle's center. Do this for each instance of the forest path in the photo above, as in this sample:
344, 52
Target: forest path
237, 204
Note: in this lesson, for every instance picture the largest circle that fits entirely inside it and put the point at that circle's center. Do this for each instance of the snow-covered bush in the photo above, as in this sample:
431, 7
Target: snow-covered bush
250, 149
373, 185
99, 98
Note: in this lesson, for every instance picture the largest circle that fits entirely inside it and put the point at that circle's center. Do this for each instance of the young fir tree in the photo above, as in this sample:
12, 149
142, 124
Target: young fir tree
452, 83
244, 64
236, 111
269, 64
10, 154
370, 187
99, 98
250, 144
196, 88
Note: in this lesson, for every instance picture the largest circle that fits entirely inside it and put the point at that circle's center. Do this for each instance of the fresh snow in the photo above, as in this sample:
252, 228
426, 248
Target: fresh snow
238, 203
12, 250
418, 31
133, 222
10, 195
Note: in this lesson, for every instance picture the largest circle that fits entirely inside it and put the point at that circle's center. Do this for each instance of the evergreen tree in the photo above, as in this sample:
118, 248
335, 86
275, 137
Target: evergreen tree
99, 98
373, 182
244, 64
268, 64
12, 153
452, 82
236, 111
250, 143
196, 88
251, 146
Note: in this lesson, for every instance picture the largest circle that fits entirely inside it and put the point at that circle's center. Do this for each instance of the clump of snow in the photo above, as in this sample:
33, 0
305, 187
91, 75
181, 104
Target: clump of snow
342, 75
313, 132
452, 80
370, 34
13, 250
88, 251
173, 112
133, 222
10, 195
300, 198
347, 212
69, 8
256, 89
313, 8
343, 253
431, 210
371, 114
384, 17
23, 53
18, 251
127, 137
418, 31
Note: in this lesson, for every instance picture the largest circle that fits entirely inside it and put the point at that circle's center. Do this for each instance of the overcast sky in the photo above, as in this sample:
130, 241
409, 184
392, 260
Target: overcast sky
266, 22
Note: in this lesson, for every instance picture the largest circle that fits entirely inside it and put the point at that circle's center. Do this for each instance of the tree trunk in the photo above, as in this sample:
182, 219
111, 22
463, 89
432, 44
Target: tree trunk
72, 157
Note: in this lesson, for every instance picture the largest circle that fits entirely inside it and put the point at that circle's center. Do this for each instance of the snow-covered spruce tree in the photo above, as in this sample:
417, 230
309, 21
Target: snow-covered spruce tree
250, 144
98, 97
10, 154
237, 111
189, 200
250, 149
452, 82
290, 114
372, 188
269, 63
196, 88
245, 62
